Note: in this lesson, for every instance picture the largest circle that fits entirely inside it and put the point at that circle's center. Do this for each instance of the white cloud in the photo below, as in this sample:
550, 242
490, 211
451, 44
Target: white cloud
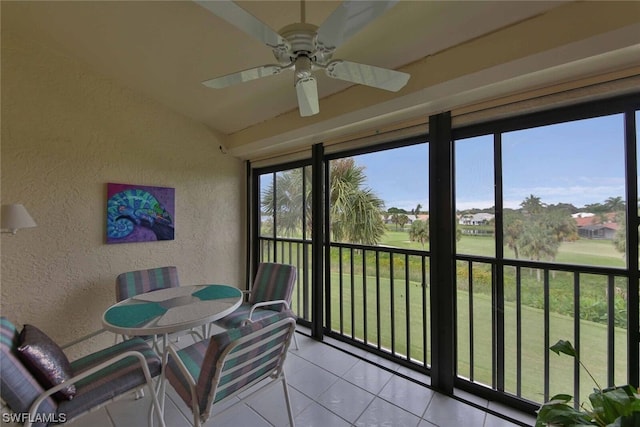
578, 195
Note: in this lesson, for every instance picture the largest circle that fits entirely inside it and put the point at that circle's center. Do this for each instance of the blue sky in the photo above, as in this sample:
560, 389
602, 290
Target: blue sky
579, 162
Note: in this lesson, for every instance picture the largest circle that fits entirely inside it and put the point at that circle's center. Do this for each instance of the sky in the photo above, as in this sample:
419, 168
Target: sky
580, 162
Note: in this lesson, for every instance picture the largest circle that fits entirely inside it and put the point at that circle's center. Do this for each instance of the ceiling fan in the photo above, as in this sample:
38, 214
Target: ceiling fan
305, 48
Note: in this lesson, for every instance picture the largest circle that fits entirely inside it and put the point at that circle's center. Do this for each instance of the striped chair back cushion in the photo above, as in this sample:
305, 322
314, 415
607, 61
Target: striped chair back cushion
17, 386
216, 384
138, 282
273, 282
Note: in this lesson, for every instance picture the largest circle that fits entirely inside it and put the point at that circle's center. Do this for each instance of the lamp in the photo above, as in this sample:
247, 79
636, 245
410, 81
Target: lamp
15, 217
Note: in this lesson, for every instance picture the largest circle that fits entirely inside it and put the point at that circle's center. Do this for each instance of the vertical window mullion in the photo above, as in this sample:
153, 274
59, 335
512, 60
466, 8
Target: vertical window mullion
471, 330
498, 276
545, 348
340, 291
611, 336
407, 305
576, 338
365, 332
442, 249
392, 305
425, 318
353, 294
518, 331
633, 303
378, 326
275, 216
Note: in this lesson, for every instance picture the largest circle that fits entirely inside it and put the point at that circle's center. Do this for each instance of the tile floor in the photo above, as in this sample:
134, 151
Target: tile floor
328, 388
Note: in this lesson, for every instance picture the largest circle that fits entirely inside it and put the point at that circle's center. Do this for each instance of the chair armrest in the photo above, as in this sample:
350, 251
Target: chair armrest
88, 372
267, 303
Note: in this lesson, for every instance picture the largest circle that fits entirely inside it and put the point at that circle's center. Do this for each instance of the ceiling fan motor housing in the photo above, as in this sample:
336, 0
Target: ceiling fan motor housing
302, 40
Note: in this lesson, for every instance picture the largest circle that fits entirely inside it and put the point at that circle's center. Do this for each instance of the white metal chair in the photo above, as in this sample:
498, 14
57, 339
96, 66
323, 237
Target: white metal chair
98, 378
270, 293
228, 363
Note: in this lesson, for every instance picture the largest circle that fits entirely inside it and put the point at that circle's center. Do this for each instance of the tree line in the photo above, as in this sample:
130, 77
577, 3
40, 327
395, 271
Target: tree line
357, 214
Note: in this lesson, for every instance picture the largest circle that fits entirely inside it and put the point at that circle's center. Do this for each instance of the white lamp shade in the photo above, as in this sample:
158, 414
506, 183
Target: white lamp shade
15, 217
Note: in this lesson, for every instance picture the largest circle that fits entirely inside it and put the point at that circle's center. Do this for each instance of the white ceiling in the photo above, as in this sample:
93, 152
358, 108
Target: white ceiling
166, 48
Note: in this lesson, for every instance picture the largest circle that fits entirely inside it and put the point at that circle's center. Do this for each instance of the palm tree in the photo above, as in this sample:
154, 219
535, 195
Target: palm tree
561, 225
513, 227
538, 243
395, 219
355, 211
419, 232
532, 205
287, 203
402, 220
614, 204
595, 207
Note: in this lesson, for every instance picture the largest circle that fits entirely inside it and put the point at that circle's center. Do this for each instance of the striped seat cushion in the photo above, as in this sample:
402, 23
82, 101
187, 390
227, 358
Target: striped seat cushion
112, 381
201, 359
18, 387
235, 319
137, 282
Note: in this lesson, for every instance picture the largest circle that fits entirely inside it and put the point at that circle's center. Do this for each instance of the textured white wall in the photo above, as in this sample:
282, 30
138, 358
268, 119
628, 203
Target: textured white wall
67, 131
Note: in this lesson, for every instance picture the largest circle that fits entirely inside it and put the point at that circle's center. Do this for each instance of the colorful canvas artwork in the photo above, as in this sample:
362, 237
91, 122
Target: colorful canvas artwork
138, 213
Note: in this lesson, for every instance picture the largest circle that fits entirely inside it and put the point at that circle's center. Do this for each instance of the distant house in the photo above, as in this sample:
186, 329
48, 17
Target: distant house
590, 227
388, 218
476, 219
598, 231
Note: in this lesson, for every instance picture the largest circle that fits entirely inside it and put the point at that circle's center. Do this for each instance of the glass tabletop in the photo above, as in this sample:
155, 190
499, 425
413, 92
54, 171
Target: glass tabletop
172, 309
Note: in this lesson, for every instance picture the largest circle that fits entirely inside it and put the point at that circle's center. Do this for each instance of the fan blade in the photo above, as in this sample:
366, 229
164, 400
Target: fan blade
368, 75
243, 76
349, 18
307, 90
235, 15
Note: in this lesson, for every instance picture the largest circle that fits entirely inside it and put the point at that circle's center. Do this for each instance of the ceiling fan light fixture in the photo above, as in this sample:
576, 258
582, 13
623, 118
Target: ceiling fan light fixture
307, 92
303, 67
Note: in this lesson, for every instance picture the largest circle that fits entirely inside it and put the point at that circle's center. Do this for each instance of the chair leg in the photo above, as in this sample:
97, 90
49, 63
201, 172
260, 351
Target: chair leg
288, 401
155, 407
295, 340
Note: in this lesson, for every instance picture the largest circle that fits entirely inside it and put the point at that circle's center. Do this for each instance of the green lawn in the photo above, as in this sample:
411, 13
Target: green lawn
583, 251
592, 335
406, 308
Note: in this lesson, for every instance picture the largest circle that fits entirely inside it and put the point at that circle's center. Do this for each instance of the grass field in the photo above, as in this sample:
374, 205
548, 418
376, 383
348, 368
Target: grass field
583, 251
593, 336
360, 293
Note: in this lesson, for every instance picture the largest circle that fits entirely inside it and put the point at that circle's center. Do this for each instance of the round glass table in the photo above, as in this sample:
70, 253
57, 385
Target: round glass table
170, 310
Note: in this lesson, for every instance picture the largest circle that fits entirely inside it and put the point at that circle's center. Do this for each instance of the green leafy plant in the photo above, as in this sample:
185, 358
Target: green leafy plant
610, 407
